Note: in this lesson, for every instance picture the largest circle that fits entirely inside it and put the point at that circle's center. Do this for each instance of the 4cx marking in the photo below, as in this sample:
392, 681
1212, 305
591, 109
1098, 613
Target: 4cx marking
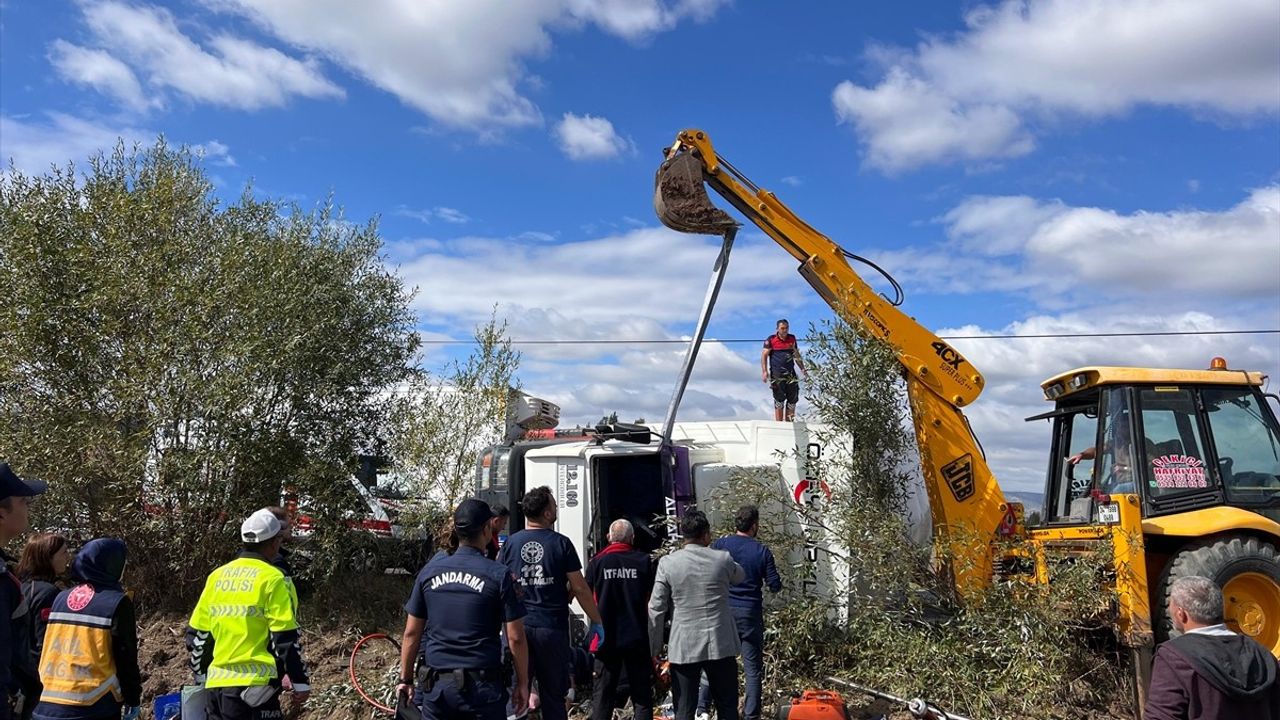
948, 354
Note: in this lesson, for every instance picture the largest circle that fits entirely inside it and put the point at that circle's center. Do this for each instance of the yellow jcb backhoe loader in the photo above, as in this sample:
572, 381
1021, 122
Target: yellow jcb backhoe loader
1197, 494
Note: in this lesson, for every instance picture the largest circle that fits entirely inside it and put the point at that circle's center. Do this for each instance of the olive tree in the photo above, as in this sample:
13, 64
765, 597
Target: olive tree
446, 419
170, 361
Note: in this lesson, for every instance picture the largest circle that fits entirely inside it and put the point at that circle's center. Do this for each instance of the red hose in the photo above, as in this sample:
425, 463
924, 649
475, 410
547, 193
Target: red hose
351, 669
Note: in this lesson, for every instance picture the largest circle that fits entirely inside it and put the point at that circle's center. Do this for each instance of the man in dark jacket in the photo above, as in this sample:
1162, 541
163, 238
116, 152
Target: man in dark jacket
1210, 672
621, 578
15, 646
746, 601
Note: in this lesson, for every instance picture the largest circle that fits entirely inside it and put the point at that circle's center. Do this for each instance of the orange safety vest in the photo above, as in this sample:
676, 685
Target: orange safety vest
77, 667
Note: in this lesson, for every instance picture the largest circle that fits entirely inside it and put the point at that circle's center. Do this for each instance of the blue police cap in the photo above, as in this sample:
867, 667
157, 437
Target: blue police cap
13, 486
471, 514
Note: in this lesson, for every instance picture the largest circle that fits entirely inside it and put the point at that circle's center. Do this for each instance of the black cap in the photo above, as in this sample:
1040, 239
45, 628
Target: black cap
13, 486
471, 514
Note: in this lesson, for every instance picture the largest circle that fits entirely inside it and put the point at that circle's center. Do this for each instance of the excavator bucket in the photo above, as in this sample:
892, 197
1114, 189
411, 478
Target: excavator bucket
680, 198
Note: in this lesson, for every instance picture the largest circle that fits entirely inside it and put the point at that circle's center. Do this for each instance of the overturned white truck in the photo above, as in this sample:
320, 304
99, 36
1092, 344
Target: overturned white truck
620, 470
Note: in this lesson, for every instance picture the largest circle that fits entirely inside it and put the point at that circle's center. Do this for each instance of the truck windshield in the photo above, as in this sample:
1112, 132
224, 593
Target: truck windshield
1244, 434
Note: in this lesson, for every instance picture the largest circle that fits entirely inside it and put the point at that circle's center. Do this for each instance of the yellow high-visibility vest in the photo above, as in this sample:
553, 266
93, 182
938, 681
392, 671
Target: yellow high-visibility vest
76, 664
243, 602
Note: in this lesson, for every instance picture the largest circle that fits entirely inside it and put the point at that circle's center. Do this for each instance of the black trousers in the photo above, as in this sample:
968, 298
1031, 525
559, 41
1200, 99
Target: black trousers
610, 665
226, 704
722, 676
479, 699
549, 665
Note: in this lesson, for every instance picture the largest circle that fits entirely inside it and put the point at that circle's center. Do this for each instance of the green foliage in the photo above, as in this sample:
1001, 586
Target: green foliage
444, 421
168, 362
888, 620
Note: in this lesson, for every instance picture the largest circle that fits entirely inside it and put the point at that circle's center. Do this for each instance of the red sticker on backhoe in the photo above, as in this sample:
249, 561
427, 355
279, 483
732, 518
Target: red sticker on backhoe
1179, 471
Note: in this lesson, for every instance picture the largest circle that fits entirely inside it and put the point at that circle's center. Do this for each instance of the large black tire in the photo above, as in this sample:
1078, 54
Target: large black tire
1252, 601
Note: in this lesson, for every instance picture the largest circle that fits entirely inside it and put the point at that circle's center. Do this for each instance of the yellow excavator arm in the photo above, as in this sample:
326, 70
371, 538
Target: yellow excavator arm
968, 508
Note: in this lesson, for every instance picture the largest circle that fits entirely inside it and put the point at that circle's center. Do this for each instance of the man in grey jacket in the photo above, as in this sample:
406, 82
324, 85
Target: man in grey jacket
692, 585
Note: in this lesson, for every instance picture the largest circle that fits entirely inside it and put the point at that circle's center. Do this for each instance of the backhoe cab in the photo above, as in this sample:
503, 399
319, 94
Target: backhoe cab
1197, 454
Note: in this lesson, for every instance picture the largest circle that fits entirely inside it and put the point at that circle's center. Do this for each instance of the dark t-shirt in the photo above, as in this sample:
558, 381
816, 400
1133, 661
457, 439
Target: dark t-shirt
782, 356
542, 559
465, 600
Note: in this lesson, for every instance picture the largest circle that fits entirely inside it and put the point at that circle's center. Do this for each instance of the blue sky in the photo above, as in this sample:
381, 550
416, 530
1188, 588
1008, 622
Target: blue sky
1022, 168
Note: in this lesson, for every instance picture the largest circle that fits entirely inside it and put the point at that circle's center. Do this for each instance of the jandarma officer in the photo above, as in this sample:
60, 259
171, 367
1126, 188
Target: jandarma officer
243, 629
458, 605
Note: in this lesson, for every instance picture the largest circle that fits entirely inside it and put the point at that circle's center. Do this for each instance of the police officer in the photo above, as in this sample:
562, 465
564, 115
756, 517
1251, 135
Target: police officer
15, 647
89, 663
244, 628
458, 605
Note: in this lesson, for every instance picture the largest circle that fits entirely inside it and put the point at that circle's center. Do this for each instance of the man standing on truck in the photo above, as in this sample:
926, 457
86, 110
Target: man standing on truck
546, 562
778, 363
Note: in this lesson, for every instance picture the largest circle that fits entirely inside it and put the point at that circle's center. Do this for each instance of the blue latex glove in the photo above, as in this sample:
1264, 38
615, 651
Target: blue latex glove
595, 637
131, 713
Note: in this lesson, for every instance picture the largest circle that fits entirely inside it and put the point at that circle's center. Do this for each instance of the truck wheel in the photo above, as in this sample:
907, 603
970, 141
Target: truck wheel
1248, 571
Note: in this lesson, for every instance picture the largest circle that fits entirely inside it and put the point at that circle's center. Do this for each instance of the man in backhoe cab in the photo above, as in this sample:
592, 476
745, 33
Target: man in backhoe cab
778, 363
1210, 672
1118, 451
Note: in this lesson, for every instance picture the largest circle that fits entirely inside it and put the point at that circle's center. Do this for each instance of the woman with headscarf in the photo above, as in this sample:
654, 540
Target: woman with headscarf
45, 559
89, 662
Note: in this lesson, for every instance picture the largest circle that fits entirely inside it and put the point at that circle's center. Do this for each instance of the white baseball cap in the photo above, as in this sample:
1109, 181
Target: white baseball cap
260, 527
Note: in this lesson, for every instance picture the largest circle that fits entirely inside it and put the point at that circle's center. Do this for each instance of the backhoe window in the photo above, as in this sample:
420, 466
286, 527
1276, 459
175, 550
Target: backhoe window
1248, 450
1173, 451
1116, 460
1077, 432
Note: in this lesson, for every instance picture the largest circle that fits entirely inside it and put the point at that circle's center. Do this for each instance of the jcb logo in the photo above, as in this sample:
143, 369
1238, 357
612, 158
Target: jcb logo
959, 476
948, 354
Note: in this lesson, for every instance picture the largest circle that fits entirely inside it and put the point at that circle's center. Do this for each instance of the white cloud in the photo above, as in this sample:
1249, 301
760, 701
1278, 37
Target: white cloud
460, 63
638, 285
34, 147
638, 19
215, 153
963, 98
100, 70
1058, 253
231, 72
425, 216
583, 287
450, 215
792, 180
906, 122
586, 137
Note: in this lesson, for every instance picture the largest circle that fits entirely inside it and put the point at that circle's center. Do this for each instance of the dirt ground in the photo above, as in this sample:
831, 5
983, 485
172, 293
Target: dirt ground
163, 658
332, 623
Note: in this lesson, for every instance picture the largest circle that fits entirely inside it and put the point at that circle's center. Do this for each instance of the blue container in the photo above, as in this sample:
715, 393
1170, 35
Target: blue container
168, 707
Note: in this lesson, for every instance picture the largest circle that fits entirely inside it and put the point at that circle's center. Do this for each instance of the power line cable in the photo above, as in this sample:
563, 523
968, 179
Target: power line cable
1028, 336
